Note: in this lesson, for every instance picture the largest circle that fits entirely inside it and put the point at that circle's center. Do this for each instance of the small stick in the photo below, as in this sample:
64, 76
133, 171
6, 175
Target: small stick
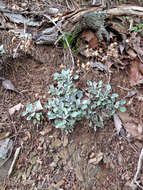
14, 160
134, 181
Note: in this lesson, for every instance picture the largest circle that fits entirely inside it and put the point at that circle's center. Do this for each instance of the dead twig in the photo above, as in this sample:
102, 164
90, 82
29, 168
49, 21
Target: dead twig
14, 160
127, 10
135, 181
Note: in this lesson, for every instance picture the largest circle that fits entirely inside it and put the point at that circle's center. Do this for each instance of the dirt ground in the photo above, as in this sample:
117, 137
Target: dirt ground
48, 160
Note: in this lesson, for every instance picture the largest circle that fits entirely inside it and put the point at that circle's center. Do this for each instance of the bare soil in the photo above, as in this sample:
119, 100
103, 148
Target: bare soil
49, 160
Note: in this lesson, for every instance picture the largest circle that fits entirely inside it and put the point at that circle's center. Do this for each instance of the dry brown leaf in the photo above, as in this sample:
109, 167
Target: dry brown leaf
88, 35
91, 38
135, 76
15, 108
134, 129
140, 67
132, 125
8, 85
135, 43
124, 116
117, 123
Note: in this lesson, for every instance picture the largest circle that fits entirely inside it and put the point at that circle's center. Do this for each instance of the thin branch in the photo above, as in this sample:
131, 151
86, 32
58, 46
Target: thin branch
127, 10
14, 161
134, 181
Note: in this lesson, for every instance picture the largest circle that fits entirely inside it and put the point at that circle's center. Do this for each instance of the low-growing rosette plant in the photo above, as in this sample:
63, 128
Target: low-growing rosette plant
68, 105
64, 106
103, 103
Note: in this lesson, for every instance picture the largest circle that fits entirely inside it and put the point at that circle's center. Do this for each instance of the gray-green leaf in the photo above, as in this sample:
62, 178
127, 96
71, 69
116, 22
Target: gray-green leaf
60, 123
122, 109
75, 77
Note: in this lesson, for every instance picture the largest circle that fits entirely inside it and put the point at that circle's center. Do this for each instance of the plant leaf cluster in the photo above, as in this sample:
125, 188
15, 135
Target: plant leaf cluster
68, 104
103, 103
65, 105
137, 28
70, 38
32, 114
2, 51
